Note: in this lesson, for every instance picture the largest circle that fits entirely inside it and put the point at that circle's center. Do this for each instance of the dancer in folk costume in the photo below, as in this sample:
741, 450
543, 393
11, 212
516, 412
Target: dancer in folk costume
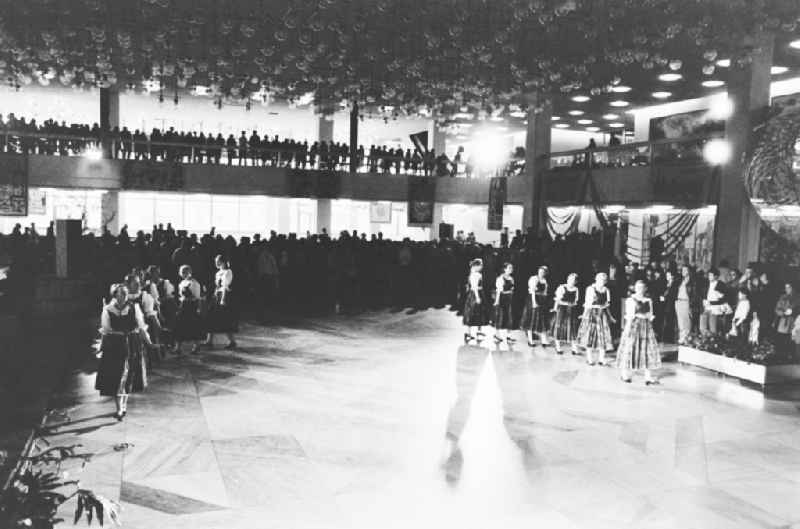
504, 294
188, 324
534, 316
594, 333
163, 293
221, 316
123, 361
565, 323
474, 309
147, 304
638, 347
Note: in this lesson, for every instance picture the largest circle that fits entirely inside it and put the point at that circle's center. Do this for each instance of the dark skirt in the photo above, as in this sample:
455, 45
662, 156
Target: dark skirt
638, 346
123, 365
534, 319
595, 330
188, 323
474, 313
565, 324
221, 318
502, 313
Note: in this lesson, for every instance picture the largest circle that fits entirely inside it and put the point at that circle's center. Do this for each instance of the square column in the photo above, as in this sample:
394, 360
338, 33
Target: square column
325, 129
737, 225
109, 116
537, 145
324, 215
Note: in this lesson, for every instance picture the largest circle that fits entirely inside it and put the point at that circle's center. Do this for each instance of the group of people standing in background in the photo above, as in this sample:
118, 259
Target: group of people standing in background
561, 321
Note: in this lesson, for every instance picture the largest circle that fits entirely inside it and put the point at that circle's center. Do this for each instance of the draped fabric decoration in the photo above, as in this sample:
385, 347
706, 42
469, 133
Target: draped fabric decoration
674, 230
410, 55
563, 224
421, 198
771, 174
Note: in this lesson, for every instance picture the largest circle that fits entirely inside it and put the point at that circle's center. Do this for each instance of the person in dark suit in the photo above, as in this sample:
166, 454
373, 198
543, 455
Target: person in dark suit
669, 316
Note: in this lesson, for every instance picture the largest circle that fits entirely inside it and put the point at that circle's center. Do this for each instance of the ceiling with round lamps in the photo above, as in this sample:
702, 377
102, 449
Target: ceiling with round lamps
619, 103
662, 95
581, 98
713, 83
670, 77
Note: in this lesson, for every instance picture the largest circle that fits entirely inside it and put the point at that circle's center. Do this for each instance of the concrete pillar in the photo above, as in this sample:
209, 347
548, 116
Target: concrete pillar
109, 116
354, 137
737, 225
438, 217
324, 215
325, 129
439, 139
109, 211
537, 144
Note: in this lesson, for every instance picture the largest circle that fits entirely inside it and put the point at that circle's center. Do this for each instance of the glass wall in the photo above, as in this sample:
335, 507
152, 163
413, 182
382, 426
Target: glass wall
229, 214
48, 204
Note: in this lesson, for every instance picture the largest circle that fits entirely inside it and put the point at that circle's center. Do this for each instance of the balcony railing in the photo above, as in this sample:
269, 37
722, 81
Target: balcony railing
646, 153
26, 142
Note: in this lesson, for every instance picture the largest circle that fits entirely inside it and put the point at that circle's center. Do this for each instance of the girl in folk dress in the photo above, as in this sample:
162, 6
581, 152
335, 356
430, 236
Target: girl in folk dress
565, 324
534, 317
474, 308
221, 318
638, 347
594, 333
123, 364
188, 324
163, 293
504, 292
147, 304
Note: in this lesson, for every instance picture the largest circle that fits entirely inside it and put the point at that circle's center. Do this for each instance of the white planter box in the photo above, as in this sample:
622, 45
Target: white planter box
756, 373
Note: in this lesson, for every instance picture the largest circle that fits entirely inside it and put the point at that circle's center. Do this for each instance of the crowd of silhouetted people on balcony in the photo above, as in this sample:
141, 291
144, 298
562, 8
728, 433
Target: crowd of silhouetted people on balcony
18, 135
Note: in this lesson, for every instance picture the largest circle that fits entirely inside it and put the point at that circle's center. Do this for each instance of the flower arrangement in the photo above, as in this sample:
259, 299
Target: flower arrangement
763, 353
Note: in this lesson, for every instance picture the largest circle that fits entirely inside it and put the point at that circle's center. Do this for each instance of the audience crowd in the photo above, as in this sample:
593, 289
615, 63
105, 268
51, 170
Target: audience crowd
353, 272
246, 149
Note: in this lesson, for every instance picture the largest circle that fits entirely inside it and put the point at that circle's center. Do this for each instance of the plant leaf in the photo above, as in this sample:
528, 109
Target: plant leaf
79, 509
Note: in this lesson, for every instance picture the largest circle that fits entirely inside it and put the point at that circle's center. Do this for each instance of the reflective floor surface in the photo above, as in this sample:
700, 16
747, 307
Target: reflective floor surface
387, 421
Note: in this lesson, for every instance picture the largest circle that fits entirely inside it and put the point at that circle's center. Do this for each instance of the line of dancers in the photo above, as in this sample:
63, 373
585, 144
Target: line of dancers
148, 317
588, 329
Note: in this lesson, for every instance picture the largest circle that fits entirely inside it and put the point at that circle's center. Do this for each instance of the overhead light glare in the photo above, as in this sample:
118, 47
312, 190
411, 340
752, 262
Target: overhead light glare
795, 44
576, 112
662, 95
621, 89
581, 99
619, 104
713, 83
670, 77
717, 152
777, 70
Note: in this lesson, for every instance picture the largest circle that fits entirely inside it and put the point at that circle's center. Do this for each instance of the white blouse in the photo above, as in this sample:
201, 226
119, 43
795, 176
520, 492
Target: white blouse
148, 303
591, 297
111, 308
169, 291
192, 285
223, 280
562, 289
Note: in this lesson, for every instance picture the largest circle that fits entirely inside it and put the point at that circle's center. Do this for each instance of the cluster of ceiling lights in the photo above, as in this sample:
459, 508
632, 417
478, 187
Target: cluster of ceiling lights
672, 76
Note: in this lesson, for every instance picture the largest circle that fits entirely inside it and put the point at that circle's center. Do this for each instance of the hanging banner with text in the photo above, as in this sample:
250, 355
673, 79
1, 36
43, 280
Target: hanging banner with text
152, 176
498, 188
421, 197
14, 185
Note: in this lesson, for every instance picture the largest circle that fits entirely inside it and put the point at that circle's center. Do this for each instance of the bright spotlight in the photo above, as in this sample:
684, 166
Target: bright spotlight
492, 150
93, 153
717, 152
721, 108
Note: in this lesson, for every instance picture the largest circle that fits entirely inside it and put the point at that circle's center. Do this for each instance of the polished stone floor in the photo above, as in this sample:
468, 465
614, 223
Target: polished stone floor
387, 421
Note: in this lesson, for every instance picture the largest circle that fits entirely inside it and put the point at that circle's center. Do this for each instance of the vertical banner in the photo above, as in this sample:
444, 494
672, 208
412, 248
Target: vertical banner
380, 212
498, 187
421, 196
14, 185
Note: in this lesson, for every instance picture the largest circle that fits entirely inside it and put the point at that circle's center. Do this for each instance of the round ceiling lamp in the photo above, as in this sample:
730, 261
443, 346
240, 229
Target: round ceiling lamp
585, 122
562, 126
670, 77
581, 99
616, 125
724, 63
619, 103
592, 129
576, 112
777, 70
662, 95
610, 117
795, 44
621, 89
713, 83
555, 118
